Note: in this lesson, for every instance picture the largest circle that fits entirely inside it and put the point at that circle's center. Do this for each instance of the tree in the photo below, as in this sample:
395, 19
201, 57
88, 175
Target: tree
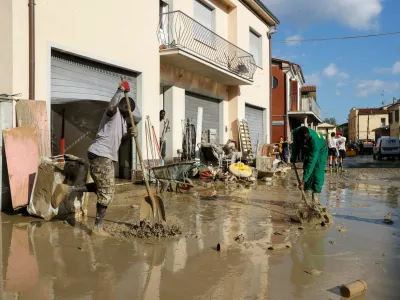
331, 121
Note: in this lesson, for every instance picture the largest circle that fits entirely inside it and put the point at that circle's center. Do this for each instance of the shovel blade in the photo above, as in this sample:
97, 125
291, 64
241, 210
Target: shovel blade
154, 215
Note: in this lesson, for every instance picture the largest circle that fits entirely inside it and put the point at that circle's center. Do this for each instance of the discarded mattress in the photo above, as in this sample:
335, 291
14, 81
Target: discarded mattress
67, 169
240, 170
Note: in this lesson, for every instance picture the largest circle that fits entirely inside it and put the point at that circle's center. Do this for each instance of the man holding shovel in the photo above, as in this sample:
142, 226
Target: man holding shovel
102, 154
313, 146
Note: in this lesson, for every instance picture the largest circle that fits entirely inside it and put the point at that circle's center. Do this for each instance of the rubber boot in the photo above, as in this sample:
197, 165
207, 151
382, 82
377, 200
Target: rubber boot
98, 223
316, 198
308, 195
337, 168
330, 169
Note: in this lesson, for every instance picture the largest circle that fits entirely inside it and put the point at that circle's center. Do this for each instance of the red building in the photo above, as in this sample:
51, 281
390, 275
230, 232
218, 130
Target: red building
293, 104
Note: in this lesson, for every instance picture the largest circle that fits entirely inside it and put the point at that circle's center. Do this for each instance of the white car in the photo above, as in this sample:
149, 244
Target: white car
387, 147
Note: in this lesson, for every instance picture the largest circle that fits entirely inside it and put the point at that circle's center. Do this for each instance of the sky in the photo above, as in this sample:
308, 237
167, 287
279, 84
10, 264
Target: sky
348, 73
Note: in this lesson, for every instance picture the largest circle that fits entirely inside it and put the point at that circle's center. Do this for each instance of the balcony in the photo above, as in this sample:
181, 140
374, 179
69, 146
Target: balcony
308, 108
186, 44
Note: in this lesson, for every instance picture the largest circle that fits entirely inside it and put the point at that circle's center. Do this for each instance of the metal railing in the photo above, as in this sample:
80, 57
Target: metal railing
309, 104
306, 104
177, 30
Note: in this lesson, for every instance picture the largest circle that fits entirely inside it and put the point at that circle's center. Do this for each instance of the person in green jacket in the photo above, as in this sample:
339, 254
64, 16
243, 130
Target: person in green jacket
315, 151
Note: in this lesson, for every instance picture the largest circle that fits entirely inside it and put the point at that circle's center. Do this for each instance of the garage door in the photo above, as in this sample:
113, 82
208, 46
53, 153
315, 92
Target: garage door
255, 119
82, 89
210, 111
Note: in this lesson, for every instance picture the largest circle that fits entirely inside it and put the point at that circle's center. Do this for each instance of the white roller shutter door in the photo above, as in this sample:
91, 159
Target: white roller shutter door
255, 119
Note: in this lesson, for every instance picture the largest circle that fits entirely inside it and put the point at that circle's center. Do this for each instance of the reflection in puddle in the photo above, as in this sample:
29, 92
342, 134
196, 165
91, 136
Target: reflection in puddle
52, 260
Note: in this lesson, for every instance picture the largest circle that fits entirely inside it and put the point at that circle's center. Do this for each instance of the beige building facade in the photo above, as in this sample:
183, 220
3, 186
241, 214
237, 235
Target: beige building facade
394, 117
213, 54
326, 129
362, 122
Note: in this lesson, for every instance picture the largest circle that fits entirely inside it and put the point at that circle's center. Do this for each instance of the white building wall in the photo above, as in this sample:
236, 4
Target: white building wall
105, 32
257, 94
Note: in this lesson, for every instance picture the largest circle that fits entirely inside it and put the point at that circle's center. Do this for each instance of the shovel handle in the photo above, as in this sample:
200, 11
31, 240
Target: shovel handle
300, 185
139, 152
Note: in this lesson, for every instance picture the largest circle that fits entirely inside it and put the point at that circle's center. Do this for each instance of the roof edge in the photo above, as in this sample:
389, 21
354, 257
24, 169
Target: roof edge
262, 5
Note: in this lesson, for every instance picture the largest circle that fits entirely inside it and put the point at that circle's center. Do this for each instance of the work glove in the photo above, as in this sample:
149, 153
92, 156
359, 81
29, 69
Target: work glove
134, 132
124, 86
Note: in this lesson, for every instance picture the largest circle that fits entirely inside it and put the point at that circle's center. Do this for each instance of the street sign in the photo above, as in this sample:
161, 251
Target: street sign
278, 123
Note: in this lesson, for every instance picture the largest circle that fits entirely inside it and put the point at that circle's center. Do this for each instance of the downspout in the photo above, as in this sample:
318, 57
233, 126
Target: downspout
270, 88
269, 35
31, 5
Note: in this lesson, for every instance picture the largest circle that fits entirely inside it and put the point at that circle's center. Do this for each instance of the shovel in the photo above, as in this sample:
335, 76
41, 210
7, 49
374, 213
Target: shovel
152, 207
301, 188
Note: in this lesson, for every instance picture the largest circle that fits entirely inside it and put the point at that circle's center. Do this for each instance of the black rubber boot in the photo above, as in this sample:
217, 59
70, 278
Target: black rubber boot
98, 223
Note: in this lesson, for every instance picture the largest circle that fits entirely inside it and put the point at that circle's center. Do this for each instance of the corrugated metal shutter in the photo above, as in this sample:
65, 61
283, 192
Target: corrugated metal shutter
85, 88
210, 111
255, 119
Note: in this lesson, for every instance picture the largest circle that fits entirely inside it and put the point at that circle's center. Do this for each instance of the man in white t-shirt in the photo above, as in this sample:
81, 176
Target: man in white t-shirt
342, 148
333, 152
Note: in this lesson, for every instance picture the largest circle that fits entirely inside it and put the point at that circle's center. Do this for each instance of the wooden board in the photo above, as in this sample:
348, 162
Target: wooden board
22, 156
30, 112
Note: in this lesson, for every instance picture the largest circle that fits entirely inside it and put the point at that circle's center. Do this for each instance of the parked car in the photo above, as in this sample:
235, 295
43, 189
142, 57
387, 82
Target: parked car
387, 147
366, 146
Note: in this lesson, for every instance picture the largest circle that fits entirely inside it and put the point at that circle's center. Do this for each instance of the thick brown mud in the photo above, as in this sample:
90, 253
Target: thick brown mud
273, 258
135, 229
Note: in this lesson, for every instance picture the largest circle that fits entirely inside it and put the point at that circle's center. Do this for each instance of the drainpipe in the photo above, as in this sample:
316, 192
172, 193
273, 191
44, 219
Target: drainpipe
269, 34
31, 5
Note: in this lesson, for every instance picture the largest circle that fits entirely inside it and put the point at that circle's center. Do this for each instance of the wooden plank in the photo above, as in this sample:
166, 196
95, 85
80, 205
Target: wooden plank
35, 113
22, 156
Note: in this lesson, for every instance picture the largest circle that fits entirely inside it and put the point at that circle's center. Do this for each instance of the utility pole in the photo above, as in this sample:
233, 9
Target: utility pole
368, 127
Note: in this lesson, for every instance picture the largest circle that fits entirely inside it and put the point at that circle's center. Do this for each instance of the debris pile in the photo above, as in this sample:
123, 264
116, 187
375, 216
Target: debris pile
142, 230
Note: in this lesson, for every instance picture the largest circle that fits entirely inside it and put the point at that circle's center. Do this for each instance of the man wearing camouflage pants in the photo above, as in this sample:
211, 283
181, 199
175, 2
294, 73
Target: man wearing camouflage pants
102, 154
313, 145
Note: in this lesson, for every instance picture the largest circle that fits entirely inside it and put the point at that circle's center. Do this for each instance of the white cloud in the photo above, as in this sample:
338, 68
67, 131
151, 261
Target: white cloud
333, 71
383, 70
394, 69
293, 40
340, 84
354, 14
368, 87
313, 79
337, 93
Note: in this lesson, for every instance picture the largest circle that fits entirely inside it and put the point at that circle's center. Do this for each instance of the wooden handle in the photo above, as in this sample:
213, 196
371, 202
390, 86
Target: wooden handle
300, 185
139, 152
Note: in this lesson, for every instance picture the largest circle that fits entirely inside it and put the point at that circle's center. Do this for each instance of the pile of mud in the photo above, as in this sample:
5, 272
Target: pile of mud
142, 230
317, 214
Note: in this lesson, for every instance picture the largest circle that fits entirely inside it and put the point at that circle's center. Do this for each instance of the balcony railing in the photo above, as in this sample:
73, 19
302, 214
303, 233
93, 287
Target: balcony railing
177, 30
307, 104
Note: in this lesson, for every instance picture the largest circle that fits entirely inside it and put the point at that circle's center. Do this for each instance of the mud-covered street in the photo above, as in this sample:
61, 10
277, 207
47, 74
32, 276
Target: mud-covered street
54, 260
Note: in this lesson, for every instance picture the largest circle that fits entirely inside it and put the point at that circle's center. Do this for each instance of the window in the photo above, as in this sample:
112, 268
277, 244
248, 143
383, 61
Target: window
396, 115
383, 122
274, 82
255, 47
390, 117
163, 9
204, 14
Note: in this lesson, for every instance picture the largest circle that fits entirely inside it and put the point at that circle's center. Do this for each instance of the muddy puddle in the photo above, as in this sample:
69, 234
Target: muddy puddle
54, 260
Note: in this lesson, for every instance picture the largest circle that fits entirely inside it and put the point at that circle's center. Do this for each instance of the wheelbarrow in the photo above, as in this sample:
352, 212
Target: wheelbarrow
173, 177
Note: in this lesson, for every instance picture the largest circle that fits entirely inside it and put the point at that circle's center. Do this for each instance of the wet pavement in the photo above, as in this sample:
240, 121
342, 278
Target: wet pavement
54, 260
366, 161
